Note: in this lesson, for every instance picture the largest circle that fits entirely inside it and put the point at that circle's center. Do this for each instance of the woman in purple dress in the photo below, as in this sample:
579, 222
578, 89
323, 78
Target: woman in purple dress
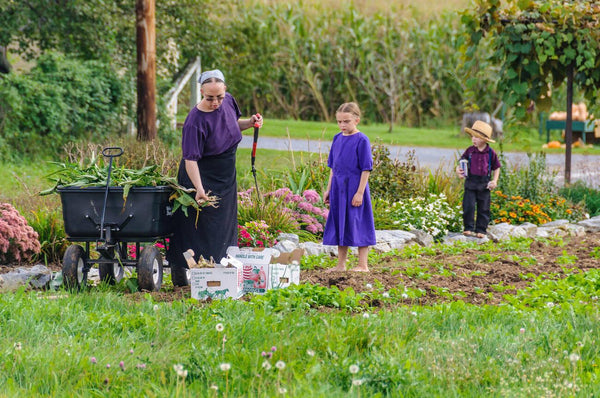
211, 134
350, 221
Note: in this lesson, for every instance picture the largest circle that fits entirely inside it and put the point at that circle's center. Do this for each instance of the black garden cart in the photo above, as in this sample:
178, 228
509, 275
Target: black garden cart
102, 215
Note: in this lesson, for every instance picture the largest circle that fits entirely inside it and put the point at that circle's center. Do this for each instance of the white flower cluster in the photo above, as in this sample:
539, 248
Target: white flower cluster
432, 214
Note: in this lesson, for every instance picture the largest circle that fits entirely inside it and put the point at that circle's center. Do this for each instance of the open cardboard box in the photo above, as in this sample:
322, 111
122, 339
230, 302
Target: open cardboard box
261, 271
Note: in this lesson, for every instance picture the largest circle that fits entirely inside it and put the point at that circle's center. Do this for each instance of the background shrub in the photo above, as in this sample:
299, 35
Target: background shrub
18, 241
579, 192
60, 100
392, 179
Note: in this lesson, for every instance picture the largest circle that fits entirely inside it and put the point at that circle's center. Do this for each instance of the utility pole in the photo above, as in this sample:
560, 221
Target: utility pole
146, 69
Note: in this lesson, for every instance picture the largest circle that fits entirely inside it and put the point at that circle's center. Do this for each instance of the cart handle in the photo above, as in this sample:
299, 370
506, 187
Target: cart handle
108, 152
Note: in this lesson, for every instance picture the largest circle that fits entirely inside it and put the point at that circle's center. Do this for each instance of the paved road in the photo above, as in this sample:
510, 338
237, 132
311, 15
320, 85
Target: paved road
583, 167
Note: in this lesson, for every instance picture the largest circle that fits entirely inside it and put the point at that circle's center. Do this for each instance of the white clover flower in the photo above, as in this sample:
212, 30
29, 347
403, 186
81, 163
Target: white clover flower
219, 327
549, 304
310, 353
353, 369
155, 308
366, 315
214, 387
280, 365
404, 295
225, 366
282, 390
385, 295
18, 346
369, 286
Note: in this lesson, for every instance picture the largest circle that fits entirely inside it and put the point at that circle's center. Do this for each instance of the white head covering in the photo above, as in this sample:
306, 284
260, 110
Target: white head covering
217, 74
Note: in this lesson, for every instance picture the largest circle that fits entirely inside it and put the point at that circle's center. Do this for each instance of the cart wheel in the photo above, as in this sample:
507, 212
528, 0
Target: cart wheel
180, 276
73, 267
112, 272
150, 269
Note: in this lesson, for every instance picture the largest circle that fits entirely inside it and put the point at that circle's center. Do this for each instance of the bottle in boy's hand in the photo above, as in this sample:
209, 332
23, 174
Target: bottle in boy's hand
464, 166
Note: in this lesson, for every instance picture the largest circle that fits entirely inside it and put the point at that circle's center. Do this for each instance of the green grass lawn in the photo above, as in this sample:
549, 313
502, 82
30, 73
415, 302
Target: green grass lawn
103, 343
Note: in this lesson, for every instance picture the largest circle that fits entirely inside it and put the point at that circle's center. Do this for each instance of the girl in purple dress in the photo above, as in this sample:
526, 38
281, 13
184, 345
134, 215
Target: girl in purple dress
350, 221
211, 134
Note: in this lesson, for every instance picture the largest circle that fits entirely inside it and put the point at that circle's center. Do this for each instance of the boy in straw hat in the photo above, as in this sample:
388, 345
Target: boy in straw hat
481, 175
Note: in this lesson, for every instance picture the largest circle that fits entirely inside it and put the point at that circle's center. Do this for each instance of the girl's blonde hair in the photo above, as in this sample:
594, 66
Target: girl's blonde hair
349, 107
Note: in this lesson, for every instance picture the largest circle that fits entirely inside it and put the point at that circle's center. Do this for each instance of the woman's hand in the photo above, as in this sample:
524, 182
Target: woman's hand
326, 197
201, 195
256, 120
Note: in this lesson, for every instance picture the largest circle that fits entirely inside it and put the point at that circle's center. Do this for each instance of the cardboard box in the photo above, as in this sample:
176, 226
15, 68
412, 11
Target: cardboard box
216, 283
283, 275
262, 271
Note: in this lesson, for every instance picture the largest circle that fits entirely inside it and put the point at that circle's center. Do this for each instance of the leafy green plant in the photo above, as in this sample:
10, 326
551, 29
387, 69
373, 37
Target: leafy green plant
48, 224
566, 259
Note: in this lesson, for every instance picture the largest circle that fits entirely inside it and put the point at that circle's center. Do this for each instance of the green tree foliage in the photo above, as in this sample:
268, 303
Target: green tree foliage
535, 42
59, 101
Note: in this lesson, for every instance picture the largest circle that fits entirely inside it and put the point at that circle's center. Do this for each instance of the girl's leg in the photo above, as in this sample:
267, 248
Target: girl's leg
363, 258
342, 256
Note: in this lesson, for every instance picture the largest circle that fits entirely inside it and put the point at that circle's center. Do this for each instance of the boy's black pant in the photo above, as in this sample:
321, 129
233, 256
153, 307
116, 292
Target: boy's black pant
476, 194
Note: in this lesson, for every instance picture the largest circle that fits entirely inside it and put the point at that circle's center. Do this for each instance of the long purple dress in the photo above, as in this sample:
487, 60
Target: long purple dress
348, 225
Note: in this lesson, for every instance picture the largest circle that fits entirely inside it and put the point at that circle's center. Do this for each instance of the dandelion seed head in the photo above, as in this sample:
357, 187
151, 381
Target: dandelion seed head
155, 307
266, 365
219, 327
280, 365
574, 357
353, 369
282, 390
357, 382
225, 366
18, 346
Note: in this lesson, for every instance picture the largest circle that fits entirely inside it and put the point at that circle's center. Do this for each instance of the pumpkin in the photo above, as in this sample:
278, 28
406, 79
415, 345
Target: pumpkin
554, 144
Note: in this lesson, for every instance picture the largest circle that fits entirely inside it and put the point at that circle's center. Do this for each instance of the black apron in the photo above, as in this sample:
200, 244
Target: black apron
216, 228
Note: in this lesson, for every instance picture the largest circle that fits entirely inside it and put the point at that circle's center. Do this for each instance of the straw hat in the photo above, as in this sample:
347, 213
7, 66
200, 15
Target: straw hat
480, 130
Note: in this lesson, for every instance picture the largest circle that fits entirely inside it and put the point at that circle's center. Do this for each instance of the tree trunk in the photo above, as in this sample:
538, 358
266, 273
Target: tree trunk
146, 70
5, 66
569, 125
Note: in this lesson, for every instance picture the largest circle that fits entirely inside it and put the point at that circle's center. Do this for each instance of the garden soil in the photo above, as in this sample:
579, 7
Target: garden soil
471, 275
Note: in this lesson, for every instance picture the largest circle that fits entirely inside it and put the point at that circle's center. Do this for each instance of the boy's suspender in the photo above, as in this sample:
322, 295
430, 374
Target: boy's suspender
489, 163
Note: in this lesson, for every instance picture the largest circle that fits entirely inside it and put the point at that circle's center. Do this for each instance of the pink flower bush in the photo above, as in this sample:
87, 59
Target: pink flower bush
18, 241
304, 208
